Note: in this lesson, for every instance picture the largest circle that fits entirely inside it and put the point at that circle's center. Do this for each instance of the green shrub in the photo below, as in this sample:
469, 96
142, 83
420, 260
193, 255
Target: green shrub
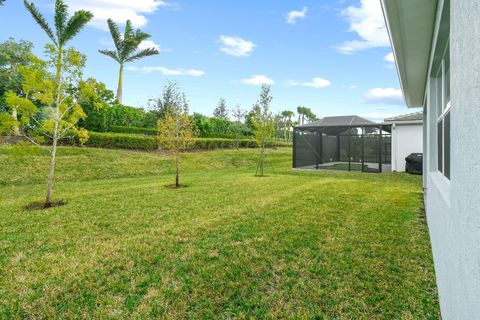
134, 130
122, 141
142, 142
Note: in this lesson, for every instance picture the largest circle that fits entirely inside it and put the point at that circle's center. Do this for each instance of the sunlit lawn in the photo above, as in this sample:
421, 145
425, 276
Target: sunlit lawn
293, 244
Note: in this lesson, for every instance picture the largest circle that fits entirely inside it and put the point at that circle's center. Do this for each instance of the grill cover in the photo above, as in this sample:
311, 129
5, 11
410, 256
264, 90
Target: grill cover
414, 163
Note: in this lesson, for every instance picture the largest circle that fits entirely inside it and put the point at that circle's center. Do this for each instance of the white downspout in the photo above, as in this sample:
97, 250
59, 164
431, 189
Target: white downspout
394, 148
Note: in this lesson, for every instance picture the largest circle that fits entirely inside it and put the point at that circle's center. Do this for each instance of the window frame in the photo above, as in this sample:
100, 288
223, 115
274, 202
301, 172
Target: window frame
443, 109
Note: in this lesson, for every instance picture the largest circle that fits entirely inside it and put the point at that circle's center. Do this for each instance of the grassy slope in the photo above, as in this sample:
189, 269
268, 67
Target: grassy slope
293, 244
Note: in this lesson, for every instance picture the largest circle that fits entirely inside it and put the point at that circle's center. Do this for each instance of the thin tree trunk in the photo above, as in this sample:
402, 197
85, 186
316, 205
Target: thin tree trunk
120, 85
16, 129
51, 174
262, 160
177, 168
56, 119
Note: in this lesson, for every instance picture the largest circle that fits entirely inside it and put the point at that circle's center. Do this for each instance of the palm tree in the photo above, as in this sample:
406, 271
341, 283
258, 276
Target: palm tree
301, 111
65, 30
126, 45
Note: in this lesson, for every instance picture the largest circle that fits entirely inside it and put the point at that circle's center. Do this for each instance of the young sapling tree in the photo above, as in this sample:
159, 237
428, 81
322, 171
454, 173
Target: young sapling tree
263, 124
176, 130
63, 112
239, 116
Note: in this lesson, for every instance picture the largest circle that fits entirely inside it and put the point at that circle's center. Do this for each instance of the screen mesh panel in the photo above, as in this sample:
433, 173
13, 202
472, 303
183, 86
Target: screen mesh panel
366, 149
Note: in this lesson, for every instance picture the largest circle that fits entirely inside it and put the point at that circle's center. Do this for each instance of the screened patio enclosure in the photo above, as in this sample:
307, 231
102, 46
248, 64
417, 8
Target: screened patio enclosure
349, 143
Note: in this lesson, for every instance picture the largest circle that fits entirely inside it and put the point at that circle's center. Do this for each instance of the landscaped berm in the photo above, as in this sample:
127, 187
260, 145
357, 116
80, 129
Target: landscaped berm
325, 245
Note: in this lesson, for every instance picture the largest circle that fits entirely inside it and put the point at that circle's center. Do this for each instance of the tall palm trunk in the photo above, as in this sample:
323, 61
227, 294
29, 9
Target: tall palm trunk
56, 119
120, 85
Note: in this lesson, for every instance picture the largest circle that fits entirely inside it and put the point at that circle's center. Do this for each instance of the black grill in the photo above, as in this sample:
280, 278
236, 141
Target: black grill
414, 163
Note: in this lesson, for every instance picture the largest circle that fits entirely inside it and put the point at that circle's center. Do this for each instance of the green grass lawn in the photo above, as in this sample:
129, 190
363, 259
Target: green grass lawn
294, 244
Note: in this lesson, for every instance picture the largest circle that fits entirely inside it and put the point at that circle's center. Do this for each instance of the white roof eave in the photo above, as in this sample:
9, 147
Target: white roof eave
410, 25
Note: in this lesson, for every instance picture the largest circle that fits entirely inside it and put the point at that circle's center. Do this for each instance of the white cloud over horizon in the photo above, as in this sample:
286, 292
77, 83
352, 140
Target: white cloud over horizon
236, 46
368, 23
257, 80
294, 15
385, 95
168, 71
118, 10
145, 44
316, 82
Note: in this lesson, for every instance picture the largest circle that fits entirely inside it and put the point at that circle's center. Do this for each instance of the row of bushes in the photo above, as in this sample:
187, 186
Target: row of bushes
152, 132
150, 143
134, 130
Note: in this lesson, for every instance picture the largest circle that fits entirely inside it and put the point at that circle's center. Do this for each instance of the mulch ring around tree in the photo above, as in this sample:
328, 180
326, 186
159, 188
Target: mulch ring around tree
173, 186
42, 205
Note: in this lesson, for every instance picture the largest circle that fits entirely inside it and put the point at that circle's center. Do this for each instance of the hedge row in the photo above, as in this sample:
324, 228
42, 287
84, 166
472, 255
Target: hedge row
134, 130
150, 143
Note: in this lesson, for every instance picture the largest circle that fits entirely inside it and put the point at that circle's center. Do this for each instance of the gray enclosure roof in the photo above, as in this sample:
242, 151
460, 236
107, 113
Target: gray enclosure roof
340, 121
340, 124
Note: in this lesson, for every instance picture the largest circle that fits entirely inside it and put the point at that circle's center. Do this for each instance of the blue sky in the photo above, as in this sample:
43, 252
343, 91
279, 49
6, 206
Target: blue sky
332, 56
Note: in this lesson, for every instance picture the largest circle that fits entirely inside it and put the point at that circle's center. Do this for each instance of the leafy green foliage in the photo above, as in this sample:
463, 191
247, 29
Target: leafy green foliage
94, 98
121, 115
169, 102
122, 141
219, 128
144, 142
221, 110
175, 132
13, 55
134, 130
305, 114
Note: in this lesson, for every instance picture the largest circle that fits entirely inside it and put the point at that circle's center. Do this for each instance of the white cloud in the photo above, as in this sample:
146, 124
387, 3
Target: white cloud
294, 15
352, 87
145, 44
257, 80
317, 82
385, 95
119, 10
236, 46
291, 83
368, 22
169, 71
390, 58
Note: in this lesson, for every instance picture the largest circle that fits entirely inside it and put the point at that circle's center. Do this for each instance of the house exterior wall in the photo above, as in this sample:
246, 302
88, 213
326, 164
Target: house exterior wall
406, 139
453, 206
